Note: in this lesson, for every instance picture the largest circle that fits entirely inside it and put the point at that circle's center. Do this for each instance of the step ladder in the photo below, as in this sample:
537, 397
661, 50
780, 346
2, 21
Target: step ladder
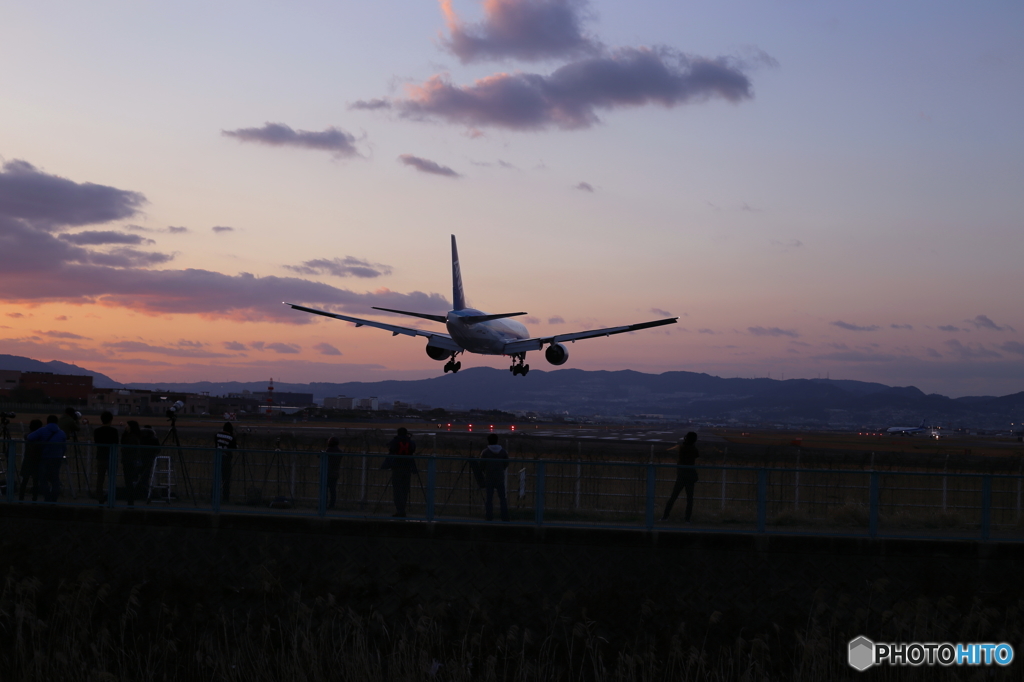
161, 480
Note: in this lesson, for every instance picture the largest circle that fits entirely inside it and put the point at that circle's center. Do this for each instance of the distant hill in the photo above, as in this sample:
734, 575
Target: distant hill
686, 395
20, 364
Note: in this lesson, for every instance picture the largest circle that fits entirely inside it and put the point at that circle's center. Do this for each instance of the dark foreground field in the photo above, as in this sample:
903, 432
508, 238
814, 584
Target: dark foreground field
135, 595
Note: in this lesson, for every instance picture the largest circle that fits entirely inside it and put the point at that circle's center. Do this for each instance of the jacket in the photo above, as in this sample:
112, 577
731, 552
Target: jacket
54, 441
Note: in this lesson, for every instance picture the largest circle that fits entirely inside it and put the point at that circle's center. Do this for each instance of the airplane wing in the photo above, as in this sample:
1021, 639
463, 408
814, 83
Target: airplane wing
436, 338
538, 342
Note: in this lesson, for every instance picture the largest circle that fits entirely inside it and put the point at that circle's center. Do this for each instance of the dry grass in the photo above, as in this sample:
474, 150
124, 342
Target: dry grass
83, 630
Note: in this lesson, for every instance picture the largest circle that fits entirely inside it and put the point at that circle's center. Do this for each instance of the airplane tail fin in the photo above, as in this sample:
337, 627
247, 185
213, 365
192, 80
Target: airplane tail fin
458, 295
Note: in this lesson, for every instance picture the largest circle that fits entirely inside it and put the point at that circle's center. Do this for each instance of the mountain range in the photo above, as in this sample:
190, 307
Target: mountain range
683, 395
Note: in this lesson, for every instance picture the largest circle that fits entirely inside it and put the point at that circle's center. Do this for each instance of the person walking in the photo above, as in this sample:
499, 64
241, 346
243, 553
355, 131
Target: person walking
104, 436
686, 474
54, 445
402, 466
227, 445
31, 462
495, 462
333, 469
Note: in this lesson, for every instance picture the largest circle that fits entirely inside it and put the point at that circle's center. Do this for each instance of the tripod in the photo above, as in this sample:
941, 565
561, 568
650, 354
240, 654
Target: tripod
455, 485
173, 433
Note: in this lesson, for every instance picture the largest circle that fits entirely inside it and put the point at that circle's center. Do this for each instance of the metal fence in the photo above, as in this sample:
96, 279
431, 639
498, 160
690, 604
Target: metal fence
539, 491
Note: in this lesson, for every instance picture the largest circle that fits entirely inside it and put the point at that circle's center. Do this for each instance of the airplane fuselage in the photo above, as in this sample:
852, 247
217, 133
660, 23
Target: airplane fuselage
485, 338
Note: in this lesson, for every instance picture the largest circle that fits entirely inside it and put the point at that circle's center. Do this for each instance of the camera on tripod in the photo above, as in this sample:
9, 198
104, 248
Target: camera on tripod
172, 411
7, 415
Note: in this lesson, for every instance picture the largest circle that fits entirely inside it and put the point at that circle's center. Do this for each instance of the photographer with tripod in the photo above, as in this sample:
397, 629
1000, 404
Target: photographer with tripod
104, 436
402, 466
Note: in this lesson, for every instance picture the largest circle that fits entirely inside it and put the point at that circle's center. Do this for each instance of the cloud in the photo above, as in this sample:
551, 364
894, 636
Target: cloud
969, 352
659, 311
15, 315
527, 30
984, 322
341, 267
49, 201
61, 335
932, 353
772, 331
427, 166
902, 326
950, 328
327, 349
787, 245
257, 345
185, 349
332, 139
288, 348
570, 97
37, 266
855, 327
222, 228
857, 356
234, 345
62, 318
705, 331
370, 104
557, 319
170, 229
585, 186
530, 319
1014, 347
100, 237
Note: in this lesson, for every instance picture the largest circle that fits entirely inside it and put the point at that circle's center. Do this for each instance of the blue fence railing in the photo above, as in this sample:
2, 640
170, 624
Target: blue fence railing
538, 491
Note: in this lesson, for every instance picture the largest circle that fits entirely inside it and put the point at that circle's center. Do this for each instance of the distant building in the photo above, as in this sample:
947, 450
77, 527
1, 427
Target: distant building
284, 398
9, 380
339, 403
366, 404
120, 401
58, 386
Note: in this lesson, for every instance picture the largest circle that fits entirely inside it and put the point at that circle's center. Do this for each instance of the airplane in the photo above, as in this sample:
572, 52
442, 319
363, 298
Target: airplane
478, 332
905, 430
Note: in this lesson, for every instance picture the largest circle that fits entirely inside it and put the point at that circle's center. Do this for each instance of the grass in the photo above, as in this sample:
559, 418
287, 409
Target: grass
84, 630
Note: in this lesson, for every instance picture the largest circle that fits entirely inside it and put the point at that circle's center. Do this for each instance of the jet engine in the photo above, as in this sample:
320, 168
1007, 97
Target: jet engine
556, 354
436, 353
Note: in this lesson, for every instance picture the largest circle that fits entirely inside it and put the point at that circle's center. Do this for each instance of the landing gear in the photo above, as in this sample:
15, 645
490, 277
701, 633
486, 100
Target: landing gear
452, 366
519, 365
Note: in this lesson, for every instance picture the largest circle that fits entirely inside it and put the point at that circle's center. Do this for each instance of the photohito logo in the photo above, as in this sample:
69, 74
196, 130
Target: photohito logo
863, 653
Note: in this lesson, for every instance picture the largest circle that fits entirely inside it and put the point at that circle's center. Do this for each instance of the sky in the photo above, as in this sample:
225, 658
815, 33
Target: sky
814, 188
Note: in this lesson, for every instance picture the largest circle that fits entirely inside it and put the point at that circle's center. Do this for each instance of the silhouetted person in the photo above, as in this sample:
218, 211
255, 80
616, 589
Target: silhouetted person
333, 469
68, 423
131, 460
403, 466
686, 474
31, 462
227, 445
54, 445
104, 436
495, 461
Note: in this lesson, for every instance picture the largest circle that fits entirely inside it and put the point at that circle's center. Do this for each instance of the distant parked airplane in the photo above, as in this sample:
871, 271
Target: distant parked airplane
905, 430
478, 332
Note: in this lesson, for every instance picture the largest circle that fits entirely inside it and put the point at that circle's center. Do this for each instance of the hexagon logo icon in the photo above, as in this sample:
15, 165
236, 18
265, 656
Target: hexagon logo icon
861, 654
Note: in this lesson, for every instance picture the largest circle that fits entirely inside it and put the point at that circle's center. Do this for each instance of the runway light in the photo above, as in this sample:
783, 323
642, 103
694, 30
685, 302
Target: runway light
492, 427
513, 427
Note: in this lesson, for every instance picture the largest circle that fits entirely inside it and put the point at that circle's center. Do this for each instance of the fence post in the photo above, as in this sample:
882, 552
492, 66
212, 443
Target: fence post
431, 485
12, 476
796, 483
538, 496
321, 507
112, 477
215, 498
873, 504
649, 511
362, 485
986, 506
724, 472
762, 499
